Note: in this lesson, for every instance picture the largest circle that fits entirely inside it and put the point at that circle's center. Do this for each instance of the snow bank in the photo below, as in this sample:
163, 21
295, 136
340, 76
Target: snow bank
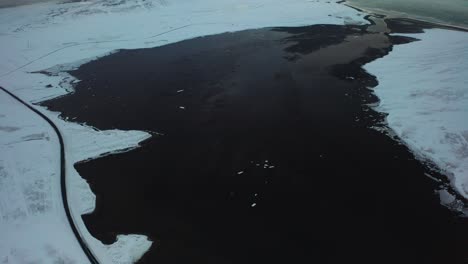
423, 86
41, 36
83, 143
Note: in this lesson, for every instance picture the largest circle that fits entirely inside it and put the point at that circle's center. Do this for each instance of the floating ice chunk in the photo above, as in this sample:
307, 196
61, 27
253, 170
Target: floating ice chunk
432, 177
240, 172
446, 197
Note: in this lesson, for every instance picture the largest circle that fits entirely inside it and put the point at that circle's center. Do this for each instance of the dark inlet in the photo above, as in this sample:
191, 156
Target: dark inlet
262, 153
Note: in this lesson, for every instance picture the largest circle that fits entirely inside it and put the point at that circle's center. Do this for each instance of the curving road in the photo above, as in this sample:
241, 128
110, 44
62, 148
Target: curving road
81, 241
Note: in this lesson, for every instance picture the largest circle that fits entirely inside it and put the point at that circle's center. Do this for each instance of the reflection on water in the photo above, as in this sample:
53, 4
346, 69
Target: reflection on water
448, 11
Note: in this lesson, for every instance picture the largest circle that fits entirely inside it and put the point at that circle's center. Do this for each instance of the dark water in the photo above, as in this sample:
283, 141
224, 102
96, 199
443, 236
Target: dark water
270, 161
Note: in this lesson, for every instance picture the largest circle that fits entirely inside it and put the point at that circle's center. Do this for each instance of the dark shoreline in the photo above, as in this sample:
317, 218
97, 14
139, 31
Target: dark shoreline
420, 22
338, 191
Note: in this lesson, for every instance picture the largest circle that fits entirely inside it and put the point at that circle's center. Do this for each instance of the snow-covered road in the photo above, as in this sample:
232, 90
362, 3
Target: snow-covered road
63, 186
30, 196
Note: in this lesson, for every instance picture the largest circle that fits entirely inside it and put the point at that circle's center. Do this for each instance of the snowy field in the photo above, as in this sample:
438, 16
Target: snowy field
30, 197
58, 37
423, 87
10, 3
33, 224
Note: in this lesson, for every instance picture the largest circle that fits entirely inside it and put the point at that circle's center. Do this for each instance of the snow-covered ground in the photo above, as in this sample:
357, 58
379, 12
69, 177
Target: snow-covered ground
33, 225
62, 36
423, 86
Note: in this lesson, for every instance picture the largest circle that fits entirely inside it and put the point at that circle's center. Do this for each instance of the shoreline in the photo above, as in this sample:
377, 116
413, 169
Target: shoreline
404, 16
451, 196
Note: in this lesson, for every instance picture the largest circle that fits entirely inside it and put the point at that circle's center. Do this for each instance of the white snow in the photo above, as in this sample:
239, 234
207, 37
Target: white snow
56, 37
33, 224
423, 86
